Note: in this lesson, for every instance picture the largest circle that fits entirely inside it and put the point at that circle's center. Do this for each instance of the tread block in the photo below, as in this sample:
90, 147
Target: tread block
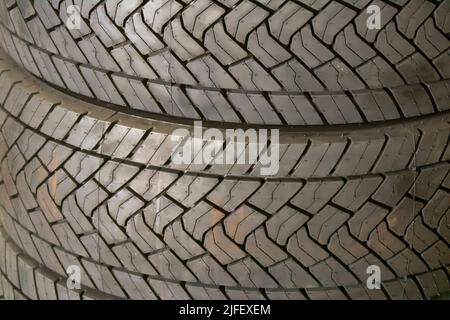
284, 223
242, 222
325, 223
304, 249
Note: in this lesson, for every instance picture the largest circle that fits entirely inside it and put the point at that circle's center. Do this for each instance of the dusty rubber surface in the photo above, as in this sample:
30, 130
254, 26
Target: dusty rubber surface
84, 185
239, 61
86, 137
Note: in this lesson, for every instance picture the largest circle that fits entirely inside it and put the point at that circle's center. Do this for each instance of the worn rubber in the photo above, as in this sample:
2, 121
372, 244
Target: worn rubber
241, 61
84, 185
22, 278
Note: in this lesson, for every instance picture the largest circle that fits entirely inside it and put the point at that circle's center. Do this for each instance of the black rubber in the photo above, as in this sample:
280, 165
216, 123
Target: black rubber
88, 186
240, 61
87, 180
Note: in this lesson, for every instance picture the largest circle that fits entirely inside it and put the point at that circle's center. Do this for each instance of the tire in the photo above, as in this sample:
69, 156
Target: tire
77, 190
89, 182
248, 62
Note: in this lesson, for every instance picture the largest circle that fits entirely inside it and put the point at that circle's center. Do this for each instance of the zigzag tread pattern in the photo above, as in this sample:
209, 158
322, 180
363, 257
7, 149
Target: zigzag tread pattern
250, 62
141, 230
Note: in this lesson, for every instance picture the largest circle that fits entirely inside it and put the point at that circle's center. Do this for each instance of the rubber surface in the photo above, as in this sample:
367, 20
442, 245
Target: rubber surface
239, 61
22, 278
84, 185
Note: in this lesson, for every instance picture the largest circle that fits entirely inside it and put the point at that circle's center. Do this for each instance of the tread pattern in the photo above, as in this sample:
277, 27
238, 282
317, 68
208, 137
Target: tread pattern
241, 61
23, 278
89, 139
141, 229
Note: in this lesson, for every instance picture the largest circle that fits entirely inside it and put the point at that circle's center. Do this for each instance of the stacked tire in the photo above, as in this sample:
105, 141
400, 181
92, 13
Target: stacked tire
91, 93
